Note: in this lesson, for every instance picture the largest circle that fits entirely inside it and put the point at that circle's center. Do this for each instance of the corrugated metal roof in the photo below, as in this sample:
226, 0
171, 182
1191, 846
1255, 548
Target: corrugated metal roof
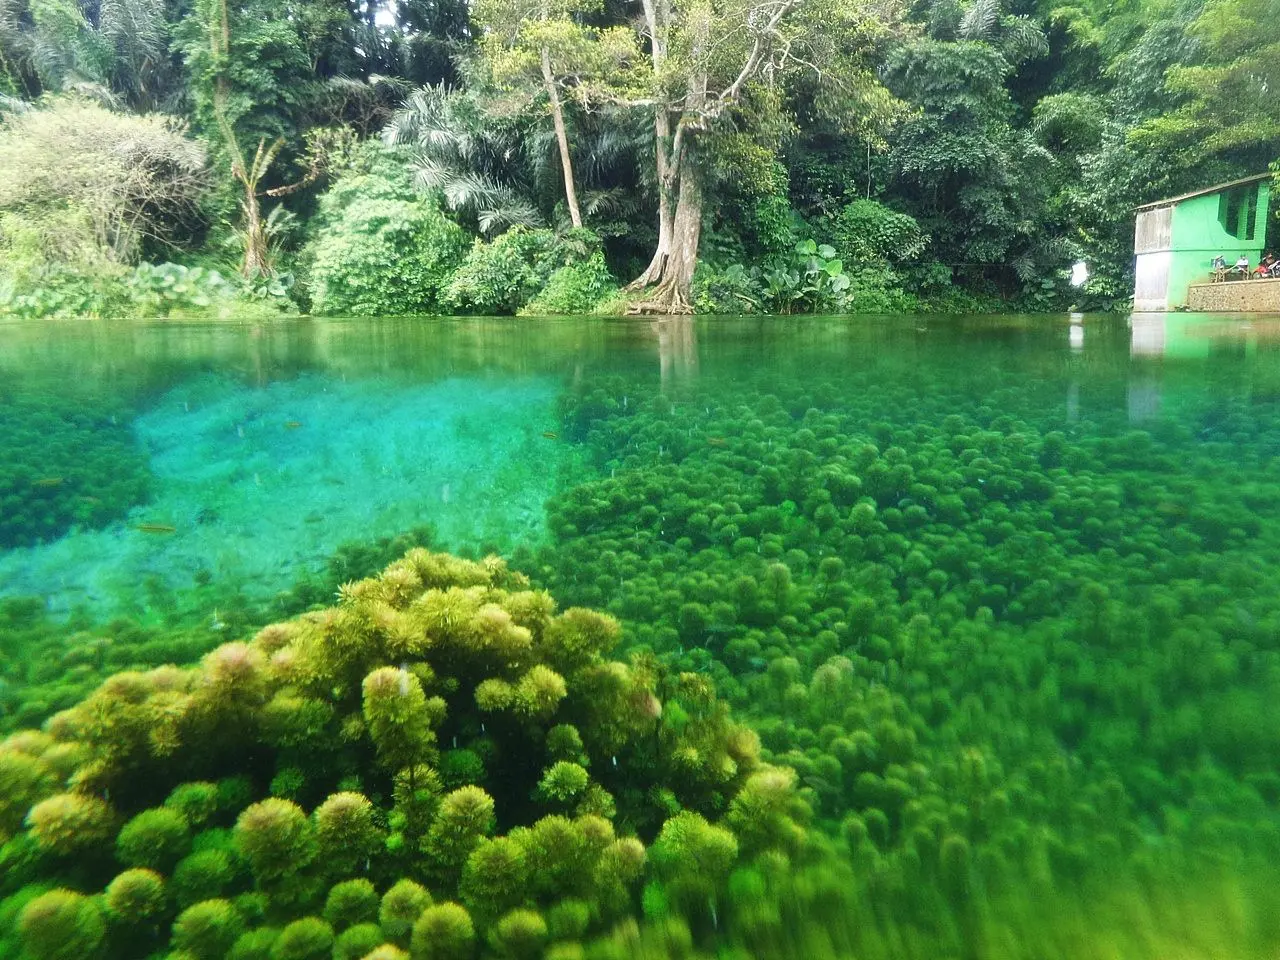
1200, 193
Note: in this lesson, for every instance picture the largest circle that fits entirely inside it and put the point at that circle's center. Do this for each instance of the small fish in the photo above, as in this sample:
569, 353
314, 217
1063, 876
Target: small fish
292, 424
550, 435
48, 482
92, 501
155, 528
716, 441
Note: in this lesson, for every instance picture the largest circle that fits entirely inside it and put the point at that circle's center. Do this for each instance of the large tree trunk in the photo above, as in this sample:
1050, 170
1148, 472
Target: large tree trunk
657, 15
653, 273
562, 138
674, 283
673, 293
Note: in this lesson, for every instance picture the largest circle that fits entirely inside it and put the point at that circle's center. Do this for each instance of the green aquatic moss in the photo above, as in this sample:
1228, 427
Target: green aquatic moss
208, 929
532, 833
65, 462
61, 925
156, 839
136, 896
350, 903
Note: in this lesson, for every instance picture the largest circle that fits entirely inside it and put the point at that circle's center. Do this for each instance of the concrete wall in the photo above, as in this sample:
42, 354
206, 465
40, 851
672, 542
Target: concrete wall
1242, 296
1198, 236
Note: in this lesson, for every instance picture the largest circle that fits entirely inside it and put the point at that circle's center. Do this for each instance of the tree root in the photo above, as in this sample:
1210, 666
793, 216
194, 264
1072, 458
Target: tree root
667, 299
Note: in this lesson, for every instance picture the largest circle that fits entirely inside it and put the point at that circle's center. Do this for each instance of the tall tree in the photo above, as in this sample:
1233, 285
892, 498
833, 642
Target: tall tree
706, 58
250, 76
545, 44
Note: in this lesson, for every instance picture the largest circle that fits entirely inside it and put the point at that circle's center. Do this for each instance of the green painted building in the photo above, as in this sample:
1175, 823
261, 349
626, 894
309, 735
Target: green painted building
1175, 240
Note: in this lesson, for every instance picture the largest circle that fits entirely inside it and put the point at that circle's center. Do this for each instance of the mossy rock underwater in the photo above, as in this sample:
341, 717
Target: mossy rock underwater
160, 833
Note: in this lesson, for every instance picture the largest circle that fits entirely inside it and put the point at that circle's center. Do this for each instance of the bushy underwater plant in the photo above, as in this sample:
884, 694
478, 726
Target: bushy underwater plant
159, 828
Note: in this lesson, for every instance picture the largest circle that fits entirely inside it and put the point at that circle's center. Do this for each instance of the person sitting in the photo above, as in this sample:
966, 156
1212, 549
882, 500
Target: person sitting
1241, 269
1219, 267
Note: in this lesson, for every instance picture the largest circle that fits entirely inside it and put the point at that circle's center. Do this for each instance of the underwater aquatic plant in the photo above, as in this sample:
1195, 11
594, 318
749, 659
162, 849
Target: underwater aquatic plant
309, 938
207, 930
70, 823
136, 896
401, 905
346, 834
349, 903
203, 875
358, 941
276, 838
251, 874
444, 931
61, 925
156, 839
520, 935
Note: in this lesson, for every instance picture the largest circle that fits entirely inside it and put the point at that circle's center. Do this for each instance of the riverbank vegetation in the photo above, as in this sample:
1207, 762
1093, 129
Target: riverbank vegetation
570, 156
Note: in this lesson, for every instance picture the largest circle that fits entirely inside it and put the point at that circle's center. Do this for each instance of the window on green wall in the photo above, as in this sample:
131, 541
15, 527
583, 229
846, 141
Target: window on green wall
1238, 212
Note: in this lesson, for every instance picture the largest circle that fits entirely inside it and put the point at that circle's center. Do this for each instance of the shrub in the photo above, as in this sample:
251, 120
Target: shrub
381, 249
168, 288
575, 288
868, 233
730, 291
501, 275
84, 184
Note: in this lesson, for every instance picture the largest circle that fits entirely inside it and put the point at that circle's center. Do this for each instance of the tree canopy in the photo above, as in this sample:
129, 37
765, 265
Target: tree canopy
708, 146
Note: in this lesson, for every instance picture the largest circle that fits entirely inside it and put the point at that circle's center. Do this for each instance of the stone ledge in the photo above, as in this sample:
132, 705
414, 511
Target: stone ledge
1235, 296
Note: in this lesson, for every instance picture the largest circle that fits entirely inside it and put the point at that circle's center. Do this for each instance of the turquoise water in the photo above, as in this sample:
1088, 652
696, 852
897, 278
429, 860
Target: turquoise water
1003, 591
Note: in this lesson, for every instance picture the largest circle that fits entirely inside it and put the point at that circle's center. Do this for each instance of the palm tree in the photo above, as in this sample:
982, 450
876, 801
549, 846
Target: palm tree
483, 167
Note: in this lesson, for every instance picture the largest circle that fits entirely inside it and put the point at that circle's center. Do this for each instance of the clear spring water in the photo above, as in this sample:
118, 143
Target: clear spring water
1038, 556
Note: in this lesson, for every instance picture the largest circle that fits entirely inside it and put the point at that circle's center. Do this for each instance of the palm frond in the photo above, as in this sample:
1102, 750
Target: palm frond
134, 27
979, 21
1022, 39
500, 218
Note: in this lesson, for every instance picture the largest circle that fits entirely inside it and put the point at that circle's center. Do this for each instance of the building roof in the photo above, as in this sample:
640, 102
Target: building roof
1199, 193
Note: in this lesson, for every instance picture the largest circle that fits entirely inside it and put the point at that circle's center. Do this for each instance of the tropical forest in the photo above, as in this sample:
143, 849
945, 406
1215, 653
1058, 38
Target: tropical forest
633, 480
188, 157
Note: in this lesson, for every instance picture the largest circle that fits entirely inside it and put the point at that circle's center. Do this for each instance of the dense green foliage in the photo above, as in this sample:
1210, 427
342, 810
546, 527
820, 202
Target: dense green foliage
572, 756
956, 155
379, 248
